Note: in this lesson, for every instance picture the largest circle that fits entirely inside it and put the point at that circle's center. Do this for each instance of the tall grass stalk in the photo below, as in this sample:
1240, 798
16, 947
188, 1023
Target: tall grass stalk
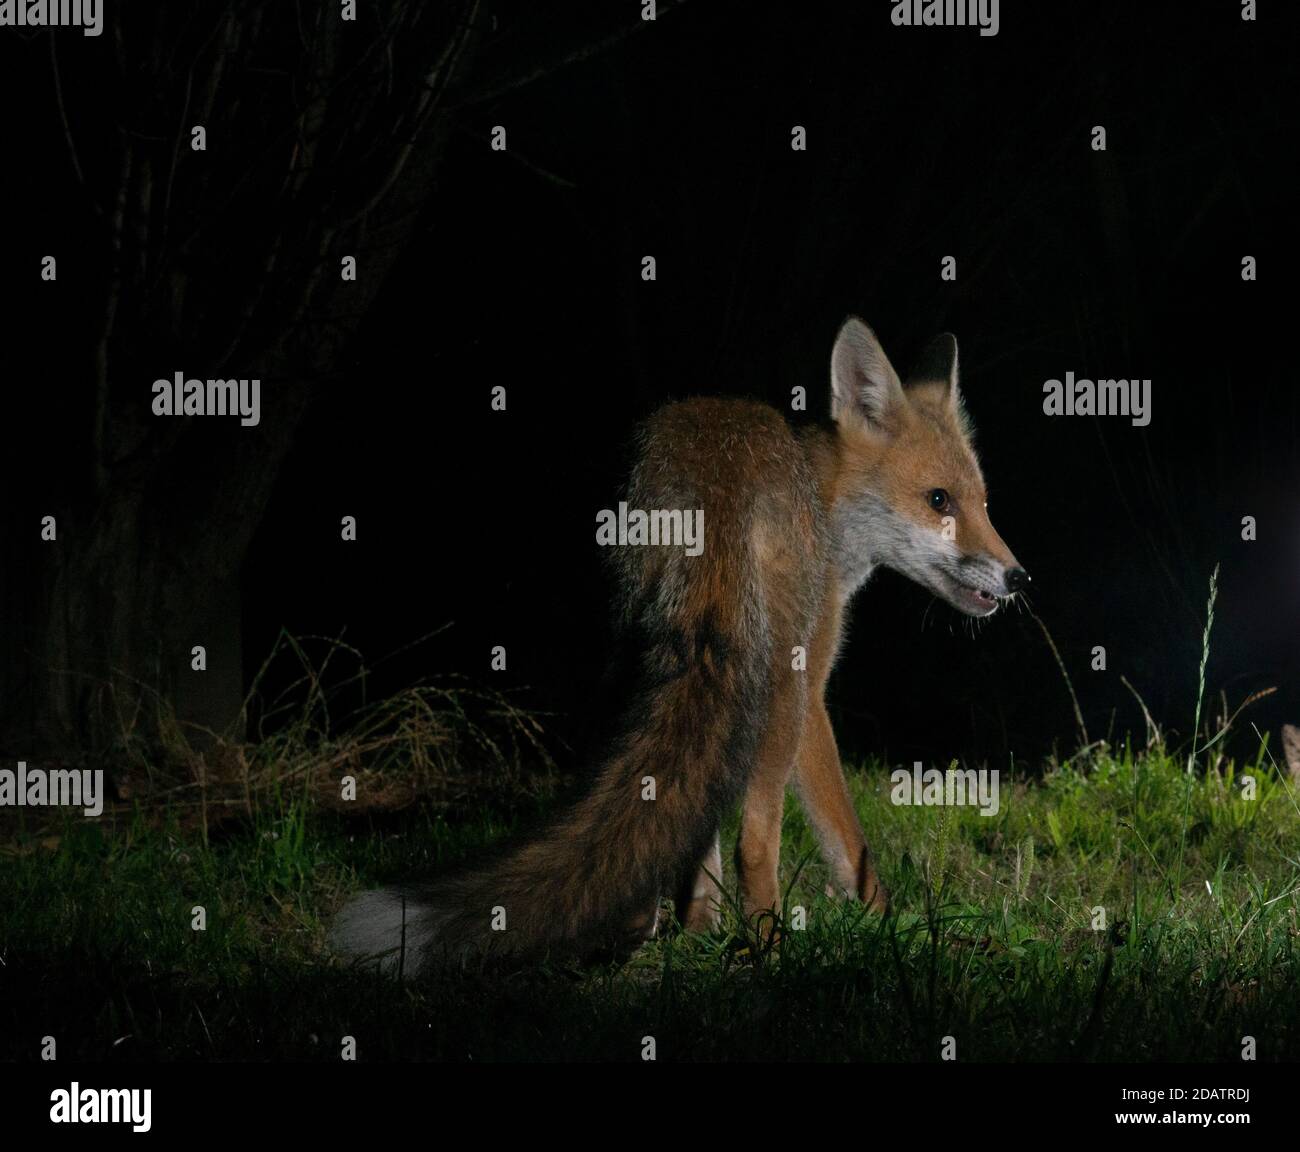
1205, 655
1196, 723
1069, 684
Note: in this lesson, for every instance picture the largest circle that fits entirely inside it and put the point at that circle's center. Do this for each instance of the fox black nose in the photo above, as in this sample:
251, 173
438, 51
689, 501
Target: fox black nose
1017, 580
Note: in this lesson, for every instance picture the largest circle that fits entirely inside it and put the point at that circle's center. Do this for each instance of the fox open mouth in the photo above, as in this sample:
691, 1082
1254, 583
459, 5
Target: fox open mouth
974, 601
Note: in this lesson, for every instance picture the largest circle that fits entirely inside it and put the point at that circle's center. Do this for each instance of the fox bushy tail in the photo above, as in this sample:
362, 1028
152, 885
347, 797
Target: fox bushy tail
689, 733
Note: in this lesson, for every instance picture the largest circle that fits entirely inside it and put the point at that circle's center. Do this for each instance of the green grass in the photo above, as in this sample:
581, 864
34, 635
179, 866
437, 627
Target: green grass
991, 942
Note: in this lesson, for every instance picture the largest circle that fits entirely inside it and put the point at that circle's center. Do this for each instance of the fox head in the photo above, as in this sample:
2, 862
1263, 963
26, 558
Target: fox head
909, 493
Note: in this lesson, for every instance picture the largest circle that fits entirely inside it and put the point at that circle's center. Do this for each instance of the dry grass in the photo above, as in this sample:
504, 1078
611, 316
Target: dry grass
447, 742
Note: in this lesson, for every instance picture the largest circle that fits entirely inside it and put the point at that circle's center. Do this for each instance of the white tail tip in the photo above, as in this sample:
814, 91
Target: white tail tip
382, 929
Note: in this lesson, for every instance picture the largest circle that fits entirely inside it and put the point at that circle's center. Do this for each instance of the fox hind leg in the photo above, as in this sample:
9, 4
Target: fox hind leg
824, 793
642, 926
699, 899
758, 848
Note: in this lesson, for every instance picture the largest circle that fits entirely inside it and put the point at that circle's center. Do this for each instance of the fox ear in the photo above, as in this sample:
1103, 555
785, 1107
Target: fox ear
937, 364
935, 374
864, 385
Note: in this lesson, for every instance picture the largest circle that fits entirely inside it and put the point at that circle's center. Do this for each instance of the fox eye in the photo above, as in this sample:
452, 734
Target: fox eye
938, 499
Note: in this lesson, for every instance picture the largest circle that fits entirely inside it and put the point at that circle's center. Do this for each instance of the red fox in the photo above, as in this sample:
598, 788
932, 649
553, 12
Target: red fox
726, 709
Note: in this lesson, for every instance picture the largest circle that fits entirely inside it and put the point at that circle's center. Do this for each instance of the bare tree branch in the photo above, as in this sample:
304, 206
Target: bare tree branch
520, 74
435, 84
95, 206
99, 465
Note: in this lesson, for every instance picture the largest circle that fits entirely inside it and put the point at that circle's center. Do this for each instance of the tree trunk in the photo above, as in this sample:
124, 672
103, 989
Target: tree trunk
228, 270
